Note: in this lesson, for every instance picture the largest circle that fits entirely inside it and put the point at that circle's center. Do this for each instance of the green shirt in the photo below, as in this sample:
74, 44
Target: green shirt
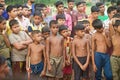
103, 18
4, 50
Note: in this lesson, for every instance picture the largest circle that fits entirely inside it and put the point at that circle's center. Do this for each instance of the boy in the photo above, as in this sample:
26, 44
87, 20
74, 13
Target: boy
81, 54
55, 53
115, 58
67, 71
36, 53
45, 32
100, 58
60, 18
19, 41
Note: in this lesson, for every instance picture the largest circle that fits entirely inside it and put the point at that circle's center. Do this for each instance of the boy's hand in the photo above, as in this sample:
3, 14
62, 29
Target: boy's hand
4, 31
94, 68
28, 70
49, 68
42, 74
85, 67
63, 65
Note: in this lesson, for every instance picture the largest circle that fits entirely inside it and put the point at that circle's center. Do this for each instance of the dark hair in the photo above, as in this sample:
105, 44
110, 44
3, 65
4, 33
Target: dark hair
94, 9
10, 8
98, 4
18, 6
60, 16
1, 19
110, 9
118, 9
1, 5
45, 29
35, 32
58, 3
97, 24
25, 7
118, 3
117, 23
2, 60
62, 27
78, 3
86, 22
37, 13
70, 1
116, 15
13, 22
52, 22
39, 6
79, 27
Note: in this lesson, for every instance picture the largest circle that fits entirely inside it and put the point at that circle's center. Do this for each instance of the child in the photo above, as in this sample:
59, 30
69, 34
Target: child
67, 71
19, 41
81, 54
100, 58
36, 55
115, 58
60, 18
55, 53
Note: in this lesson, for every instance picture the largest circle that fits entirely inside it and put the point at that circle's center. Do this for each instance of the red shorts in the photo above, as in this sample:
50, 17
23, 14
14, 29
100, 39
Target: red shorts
67, 70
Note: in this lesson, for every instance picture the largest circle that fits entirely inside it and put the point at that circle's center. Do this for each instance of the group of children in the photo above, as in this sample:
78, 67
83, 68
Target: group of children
69, 46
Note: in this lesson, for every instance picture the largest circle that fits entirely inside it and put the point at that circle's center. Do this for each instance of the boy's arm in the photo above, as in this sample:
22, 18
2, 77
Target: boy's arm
44, 54
93, 49
64, 52
111, 29
74, 56
28, 58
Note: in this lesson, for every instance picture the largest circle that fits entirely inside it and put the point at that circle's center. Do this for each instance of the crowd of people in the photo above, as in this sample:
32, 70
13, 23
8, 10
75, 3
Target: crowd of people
68, 45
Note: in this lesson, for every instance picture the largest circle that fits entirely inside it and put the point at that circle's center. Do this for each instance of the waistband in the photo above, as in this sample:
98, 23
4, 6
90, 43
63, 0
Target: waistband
115, 56
101, 53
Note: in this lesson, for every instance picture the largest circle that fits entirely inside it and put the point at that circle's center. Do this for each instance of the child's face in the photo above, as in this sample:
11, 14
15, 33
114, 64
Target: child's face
100, 30
80, 33
20, 11
69, 33
64, 33
13, 13
95, 15
60, 8
54, 28
61, 21
37, 20
87, 25
15, 28
3, 25
102, 8
80, 7
25, 11
4, 70
37, 37
71, 5
46, 34
1, 10
111, 14
118, 29
45, 11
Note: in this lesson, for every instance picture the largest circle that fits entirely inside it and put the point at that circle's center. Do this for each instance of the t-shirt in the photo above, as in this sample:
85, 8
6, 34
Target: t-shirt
103, 18
4, 50
18, 55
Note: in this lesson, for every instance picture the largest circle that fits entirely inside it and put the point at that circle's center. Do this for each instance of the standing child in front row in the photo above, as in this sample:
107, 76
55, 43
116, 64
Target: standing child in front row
55, 53
81, 54
67, 71
36, 55
100, 58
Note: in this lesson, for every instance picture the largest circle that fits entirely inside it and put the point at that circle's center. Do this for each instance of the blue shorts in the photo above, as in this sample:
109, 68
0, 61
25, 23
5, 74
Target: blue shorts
37, 68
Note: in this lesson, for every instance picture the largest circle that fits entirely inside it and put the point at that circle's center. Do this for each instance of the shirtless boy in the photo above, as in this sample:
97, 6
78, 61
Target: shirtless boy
81, 53
100, 44
55, 53
115, 58
36, 58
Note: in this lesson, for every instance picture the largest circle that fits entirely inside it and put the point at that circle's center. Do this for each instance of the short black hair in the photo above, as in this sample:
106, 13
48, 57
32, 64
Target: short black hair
98, 4
78, 3
45, 29
117, 23
18, 6
97, 24
118, 3
94, 9
111, 8
60, 16
37, 13
79, 27
10, 8
39, 6
70, 1
1, 19
35, 32
13, 22
86, 22
2, 60
58, 3
25, 6
62, 27
52, 22
116, 15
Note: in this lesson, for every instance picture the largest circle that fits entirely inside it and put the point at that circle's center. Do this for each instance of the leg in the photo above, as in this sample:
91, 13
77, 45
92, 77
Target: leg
115, 68
98, 62
107, 68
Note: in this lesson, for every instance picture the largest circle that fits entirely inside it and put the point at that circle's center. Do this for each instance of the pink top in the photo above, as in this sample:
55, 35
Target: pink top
68, 21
